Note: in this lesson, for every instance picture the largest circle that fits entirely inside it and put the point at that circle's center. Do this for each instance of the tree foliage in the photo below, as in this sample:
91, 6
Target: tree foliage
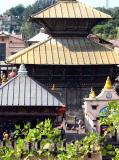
52, 147
22, 15
108, 30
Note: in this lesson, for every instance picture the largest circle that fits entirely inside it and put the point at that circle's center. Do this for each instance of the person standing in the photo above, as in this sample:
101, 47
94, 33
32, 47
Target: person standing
62, 133
5, 137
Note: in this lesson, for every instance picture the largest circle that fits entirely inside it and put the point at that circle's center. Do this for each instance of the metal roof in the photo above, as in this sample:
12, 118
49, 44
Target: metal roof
40, 37
7, 34
24, 91
70, 9
66, 51
115, 42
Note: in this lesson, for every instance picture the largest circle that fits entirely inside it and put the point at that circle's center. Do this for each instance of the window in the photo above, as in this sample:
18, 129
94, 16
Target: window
2, 51
103, 112
94, 107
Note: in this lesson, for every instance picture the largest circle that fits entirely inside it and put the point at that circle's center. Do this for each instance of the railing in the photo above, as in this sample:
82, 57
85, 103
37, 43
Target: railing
27, 145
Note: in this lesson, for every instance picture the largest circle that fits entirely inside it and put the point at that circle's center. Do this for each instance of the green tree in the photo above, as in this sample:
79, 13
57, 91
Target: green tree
108, 30
51, 148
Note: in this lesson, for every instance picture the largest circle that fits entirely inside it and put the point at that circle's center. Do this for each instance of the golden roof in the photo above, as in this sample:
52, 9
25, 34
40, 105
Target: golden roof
70, 9
66, 51
108, 83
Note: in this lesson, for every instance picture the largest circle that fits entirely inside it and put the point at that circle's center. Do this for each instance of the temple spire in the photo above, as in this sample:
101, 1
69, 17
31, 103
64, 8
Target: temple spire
108, 83
92, 94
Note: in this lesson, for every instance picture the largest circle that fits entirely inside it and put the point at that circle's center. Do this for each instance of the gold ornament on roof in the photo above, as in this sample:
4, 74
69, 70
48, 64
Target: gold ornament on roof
4, 79
92, 94
108, 83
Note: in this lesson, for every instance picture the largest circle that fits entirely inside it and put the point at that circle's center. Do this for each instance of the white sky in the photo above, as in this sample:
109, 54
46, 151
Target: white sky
6, 4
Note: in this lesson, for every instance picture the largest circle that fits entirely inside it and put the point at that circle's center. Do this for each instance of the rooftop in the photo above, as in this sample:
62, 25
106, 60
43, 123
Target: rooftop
22, 90
40, 37
70, 9
66, 51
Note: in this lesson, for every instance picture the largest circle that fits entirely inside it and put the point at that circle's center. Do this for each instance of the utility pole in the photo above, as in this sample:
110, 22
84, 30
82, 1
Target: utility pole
107, 4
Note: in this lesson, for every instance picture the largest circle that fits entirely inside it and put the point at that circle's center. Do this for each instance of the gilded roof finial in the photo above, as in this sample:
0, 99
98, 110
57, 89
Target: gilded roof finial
4, 79
108, 83
92, 94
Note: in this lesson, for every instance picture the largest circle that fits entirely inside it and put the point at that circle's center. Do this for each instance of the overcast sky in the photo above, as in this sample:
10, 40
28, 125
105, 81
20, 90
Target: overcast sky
6, 4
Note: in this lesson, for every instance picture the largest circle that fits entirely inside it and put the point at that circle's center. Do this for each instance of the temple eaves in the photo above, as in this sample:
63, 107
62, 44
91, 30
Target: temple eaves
69, 18
73, 51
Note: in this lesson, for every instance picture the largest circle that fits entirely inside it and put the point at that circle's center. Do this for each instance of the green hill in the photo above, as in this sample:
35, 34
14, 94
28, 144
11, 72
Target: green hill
107, 30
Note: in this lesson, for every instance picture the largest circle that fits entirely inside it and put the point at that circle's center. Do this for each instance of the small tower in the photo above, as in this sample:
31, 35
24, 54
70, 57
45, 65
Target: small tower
108, 84
96, 106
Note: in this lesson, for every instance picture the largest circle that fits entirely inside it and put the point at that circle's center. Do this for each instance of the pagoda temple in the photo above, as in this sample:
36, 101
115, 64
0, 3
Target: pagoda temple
69, 59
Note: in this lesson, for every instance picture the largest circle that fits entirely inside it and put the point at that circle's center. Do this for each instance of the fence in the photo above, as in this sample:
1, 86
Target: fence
36, 145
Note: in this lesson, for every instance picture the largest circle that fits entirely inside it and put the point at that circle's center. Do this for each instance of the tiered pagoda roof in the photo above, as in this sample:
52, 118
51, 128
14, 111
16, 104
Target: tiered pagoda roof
69, 17
68, 22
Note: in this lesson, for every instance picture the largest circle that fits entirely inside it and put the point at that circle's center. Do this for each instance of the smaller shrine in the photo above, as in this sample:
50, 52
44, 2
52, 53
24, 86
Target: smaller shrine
96, 106
22, 99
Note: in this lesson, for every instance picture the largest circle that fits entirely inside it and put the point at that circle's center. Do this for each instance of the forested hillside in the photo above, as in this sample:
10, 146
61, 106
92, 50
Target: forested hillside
110, 29
107, 30
22, 16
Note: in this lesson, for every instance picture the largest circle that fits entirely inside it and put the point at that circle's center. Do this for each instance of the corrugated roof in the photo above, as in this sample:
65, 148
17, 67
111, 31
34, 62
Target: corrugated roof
70, 9
24, 91
66, 51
